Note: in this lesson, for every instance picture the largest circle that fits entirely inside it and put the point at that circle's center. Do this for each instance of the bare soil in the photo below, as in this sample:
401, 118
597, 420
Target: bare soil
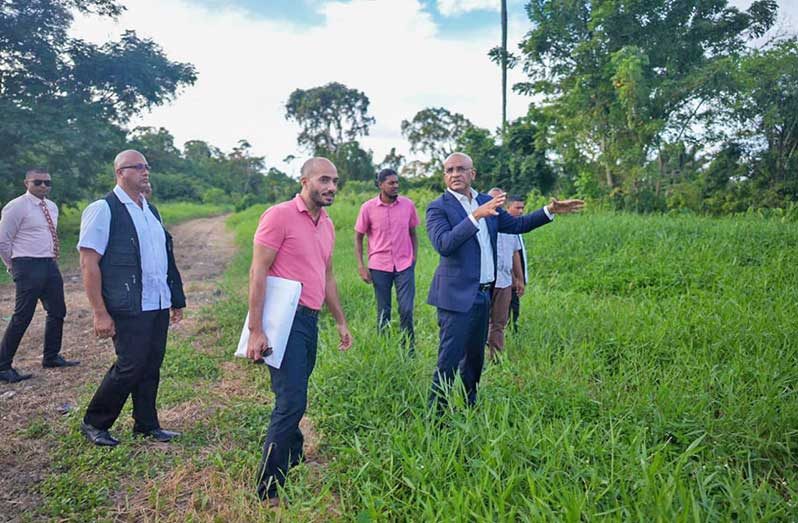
203, 248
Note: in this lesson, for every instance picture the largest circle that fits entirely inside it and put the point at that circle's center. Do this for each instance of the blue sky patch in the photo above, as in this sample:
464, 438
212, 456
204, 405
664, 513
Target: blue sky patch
307, 13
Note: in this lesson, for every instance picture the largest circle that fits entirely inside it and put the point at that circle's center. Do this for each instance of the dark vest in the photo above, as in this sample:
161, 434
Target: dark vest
120, 265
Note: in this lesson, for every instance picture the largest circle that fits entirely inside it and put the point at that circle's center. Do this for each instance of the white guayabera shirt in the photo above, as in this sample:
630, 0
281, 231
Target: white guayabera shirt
95, 225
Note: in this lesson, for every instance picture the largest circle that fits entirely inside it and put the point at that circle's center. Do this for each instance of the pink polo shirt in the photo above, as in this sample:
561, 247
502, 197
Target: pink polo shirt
388, 229
303, 247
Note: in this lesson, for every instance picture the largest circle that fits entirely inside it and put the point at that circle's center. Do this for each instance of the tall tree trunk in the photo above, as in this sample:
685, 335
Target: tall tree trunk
504, 64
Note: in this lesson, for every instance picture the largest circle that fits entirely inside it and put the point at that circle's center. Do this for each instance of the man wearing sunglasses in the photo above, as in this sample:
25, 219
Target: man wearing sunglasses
132, 282
29, 249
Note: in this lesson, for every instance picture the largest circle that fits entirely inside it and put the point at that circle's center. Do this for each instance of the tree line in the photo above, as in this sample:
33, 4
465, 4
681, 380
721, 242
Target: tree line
649, 106
65, 105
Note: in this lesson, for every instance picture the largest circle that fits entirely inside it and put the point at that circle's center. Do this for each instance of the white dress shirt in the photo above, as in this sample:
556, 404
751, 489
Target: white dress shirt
486, 269
506, 245
95, 225
24, 231
524, 261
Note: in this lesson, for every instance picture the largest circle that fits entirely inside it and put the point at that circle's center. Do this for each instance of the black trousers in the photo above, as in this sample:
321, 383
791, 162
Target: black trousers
140, 345
35, 279
515, 310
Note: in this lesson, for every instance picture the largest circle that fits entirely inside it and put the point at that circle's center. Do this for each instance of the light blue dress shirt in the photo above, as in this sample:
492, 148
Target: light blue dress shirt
95, 225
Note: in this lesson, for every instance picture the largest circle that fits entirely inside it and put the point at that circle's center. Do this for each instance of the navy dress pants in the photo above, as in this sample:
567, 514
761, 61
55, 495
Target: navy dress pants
405, 282
283, 446
461, 350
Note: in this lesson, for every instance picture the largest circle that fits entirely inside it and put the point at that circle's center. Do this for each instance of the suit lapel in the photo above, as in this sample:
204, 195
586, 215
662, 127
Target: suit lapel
453, 204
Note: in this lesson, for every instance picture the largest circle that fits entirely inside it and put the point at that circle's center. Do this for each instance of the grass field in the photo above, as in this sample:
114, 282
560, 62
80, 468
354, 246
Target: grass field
69, 226
653, 378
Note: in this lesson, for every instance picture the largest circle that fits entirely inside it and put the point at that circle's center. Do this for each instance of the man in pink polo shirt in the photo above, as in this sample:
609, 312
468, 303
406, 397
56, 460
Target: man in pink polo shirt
294, 240
389, 221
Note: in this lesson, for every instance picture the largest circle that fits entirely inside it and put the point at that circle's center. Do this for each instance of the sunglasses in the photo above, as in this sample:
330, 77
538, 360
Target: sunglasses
46, 183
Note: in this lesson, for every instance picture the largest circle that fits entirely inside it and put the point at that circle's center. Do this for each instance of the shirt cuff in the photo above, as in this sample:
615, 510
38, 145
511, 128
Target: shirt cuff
473, 220
549, 214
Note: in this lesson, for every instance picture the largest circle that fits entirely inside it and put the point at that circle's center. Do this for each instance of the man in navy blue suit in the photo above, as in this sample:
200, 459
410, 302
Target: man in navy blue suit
462, 225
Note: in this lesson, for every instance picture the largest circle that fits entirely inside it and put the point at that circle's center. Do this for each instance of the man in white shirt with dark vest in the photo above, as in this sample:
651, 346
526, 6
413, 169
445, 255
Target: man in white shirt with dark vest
132, 282
29, 249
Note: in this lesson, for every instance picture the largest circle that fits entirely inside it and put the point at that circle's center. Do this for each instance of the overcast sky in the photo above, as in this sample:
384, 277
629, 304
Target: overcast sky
406, 55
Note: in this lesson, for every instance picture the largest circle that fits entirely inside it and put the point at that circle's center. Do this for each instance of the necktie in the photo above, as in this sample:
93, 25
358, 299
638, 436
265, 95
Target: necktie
51, 225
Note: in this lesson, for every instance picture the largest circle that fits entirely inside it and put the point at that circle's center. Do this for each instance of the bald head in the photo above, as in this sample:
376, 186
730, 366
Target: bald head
132, 172
459, 156
315, 165
130, 156
319, 179
459, 173
495, 191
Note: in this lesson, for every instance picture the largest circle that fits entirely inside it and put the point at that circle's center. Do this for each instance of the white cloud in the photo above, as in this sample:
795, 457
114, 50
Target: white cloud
456, 7
248, 67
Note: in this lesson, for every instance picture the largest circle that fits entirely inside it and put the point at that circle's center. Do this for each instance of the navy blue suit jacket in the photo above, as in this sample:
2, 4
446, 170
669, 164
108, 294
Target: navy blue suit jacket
456, 281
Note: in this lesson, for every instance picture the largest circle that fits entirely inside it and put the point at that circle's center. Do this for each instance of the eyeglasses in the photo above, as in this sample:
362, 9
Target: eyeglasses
137, 166
459, 169
46, 183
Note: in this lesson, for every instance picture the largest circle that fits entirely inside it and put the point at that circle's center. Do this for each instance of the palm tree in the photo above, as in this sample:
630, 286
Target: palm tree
504, 64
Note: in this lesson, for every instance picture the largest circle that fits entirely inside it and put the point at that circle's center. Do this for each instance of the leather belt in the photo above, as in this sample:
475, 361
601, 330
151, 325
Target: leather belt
486, 287
307, 311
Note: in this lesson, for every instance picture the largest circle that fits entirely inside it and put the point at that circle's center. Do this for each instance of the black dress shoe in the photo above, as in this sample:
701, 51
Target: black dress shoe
12, 376
59, 361
98, 436
164, 436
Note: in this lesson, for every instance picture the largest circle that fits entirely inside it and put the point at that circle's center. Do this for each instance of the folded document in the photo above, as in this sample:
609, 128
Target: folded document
279, 307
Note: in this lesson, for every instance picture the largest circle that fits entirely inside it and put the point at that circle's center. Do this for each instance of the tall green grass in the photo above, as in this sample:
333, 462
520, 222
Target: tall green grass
653, 378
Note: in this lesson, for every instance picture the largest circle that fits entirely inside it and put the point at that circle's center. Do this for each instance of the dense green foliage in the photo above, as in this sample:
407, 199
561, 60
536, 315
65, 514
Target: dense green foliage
203, 173
653, 377
63, 101
648, 106
639, 98
331, 119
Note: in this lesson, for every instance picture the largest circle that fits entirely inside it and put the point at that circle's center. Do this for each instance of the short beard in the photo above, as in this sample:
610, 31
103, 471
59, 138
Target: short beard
315, 197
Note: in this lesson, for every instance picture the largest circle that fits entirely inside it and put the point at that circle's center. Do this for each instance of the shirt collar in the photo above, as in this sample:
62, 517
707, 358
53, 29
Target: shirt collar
127, 200
380, 202
34, 199
302, 207
462, 197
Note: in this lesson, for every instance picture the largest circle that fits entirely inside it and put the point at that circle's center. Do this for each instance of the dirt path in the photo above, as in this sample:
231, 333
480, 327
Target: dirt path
203, 248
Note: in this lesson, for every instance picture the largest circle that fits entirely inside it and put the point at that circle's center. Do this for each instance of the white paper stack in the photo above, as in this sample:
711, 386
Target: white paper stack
279, 307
